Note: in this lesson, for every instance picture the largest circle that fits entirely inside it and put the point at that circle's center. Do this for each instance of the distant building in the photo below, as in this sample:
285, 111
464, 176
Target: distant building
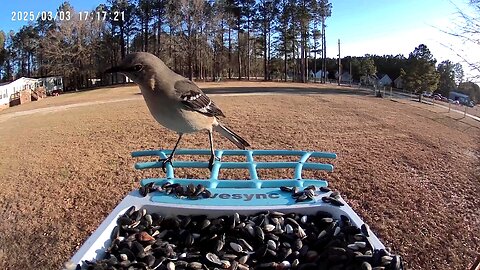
369, 80
345, 78
462, 98
384, 80
13, 93
10, 89
94, 82
398, 82
318, 75
52, 85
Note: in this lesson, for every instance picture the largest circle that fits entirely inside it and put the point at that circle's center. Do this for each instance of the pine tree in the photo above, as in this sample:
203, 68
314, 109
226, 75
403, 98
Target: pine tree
446, 81
266, 14
324, 11
367, 69
421, 73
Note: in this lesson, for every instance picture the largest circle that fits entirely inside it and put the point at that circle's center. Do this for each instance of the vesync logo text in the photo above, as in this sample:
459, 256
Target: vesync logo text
246, 197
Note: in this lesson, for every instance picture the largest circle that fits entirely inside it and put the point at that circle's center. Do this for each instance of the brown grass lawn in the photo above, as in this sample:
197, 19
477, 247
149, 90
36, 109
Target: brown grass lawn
412, 173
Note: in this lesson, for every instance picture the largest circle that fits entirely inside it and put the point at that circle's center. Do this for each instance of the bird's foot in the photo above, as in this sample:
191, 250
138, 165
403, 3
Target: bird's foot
164, 163
211, 161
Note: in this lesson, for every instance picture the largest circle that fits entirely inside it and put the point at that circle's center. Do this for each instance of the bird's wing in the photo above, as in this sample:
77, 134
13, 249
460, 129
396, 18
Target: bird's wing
194, 99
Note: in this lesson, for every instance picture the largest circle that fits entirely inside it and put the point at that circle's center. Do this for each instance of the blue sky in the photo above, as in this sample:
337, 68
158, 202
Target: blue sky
393, 27
363, 26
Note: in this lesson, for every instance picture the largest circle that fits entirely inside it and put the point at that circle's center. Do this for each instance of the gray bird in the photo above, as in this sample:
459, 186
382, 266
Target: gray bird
174, 101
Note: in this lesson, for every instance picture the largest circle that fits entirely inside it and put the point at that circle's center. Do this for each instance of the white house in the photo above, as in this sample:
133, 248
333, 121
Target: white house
10, 88
384, 80
4, 94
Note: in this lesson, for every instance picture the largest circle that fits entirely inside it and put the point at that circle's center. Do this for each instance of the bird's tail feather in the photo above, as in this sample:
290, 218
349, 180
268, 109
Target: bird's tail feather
232, 136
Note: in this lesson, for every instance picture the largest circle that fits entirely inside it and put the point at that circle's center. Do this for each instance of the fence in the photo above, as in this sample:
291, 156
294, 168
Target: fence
390, 92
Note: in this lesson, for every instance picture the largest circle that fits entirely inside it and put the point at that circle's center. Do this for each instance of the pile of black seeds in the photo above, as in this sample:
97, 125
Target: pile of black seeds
189, 191
264, 241
308, 194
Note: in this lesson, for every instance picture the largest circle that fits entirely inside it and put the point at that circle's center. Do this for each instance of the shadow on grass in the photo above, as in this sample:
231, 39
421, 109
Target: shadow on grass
285, 90
98, 88
254, 90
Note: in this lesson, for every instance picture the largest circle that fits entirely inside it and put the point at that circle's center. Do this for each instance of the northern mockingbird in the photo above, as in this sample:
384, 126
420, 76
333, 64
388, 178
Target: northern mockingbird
174, 101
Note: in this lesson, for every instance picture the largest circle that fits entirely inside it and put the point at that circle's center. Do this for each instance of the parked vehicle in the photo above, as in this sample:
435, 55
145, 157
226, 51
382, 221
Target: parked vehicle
427, 94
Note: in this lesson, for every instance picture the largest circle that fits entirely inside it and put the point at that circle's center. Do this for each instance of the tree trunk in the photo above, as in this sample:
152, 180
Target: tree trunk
315, 58
147, 20
146, 34
229, 52
307, 64
268, 54
159, 36
28, 64
302, 58
285, 56
294, 76
191, 52
190, 66
214, 61
200, 52
248, 49
265, 76
155, 39
324, 53
170, 42
239, 56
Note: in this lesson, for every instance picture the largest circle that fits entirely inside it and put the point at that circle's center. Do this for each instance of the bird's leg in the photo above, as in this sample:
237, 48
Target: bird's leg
170, 157
213, 158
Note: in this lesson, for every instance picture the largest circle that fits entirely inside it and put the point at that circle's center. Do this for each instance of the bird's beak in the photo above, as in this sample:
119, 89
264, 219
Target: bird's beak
114, 70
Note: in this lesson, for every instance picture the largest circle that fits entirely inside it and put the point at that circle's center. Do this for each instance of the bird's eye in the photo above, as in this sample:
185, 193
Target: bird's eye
137, 68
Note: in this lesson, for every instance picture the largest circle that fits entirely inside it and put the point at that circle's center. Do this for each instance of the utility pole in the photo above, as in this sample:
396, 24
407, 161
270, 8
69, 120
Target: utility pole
339, 64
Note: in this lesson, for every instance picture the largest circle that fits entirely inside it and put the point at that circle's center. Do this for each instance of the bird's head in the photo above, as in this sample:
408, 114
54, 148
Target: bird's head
138, 66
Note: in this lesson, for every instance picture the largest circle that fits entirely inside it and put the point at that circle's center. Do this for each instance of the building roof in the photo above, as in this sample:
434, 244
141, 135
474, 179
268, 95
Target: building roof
49, 76
22, 79
381, 75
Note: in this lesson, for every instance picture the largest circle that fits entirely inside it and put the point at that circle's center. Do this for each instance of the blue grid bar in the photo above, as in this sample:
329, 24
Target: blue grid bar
249, 164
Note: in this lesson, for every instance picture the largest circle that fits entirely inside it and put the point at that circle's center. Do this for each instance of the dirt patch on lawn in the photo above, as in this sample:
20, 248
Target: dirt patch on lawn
411, 175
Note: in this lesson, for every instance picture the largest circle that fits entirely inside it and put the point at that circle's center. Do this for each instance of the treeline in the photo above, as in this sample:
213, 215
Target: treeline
206, 40
197, 38
419, 72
